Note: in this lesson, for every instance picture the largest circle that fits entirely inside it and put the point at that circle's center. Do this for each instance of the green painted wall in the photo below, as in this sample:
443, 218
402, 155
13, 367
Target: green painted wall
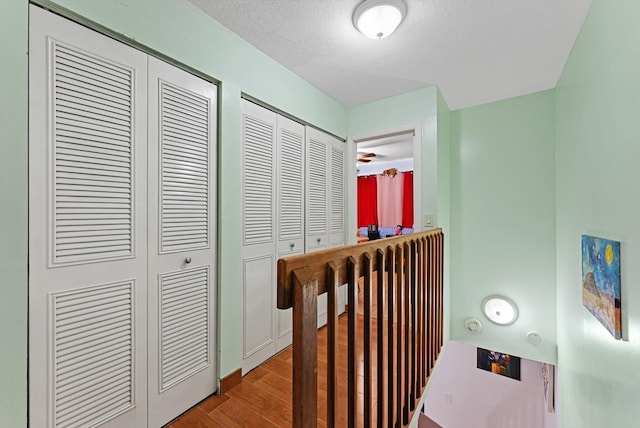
406, 109
503, 221
13, 213
444, 197
597, 154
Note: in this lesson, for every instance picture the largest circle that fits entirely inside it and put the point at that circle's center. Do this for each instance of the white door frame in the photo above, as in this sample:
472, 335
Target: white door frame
352, 175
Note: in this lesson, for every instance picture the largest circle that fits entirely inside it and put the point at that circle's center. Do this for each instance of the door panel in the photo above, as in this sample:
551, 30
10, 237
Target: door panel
259, 203
291, 202
316, 212
181, 158
87, 232
259, 341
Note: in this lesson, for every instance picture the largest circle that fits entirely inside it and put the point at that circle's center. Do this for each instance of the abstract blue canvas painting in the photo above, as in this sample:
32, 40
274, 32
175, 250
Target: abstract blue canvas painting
601, 281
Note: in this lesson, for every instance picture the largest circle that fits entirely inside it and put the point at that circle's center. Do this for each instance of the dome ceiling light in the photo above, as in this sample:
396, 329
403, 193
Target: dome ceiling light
500, 310
377, 19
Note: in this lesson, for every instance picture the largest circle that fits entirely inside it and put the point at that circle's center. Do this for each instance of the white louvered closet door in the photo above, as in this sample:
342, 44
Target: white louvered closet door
317, 191
258, 234
182, 134
336, 192
290, 208
325, 200
337, 184
87, 228
317, 202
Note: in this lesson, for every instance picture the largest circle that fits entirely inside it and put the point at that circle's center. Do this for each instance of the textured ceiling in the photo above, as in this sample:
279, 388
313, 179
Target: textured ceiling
475, 51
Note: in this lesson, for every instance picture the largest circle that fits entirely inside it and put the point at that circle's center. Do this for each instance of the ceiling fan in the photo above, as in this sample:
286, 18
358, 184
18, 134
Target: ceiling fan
364, 157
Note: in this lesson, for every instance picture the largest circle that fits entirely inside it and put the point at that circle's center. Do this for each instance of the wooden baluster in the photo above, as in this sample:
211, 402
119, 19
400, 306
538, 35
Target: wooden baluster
381, 339
305, 348
440, 239
438, 292
434, 306
391, 348
368, 279
399, 332
407, 334
332, 344
429, 306
352, 350
425, 309
414, 316
419, 322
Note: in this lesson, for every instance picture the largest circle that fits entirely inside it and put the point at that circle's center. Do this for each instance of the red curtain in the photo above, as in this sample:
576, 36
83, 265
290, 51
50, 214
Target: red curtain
367, 201
407, 202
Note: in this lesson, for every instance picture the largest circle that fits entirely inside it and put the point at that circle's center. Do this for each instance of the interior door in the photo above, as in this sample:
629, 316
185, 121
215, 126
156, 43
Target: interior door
87, 227
258, 234
290, 212
181, 201
337, 167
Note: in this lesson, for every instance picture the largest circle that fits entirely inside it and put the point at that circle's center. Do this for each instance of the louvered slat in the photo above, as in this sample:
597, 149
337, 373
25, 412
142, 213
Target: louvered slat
93, 349
184, 337
258, 180
317, 188
291, 184
92, 160
337, 191
185, 169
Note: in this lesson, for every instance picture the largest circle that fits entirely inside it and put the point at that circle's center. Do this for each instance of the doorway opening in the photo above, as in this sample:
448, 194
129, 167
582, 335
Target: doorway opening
384, 183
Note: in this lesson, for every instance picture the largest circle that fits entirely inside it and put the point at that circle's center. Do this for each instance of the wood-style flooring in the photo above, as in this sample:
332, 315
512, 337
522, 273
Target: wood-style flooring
263, 398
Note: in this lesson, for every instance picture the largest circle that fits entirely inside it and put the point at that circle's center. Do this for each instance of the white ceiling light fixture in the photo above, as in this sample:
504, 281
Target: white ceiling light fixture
500, 310
377, 19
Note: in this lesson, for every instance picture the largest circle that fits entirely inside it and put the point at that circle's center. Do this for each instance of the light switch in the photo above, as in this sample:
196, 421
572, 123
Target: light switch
428, 220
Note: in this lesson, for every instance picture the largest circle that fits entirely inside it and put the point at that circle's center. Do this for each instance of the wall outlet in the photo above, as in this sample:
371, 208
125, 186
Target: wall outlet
427, 220
448, 397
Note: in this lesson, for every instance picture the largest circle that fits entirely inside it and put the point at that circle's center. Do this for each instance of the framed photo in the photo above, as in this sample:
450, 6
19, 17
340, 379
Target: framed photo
601, 282
499, 363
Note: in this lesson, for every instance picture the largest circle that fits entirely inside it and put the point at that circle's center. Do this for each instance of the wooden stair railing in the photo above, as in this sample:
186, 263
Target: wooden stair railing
408, 273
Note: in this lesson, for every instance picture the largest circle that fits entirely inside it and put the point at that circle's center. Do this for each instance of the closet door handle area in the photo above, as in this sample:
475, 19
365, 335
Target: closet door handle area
318, 240
292, 244
187, 260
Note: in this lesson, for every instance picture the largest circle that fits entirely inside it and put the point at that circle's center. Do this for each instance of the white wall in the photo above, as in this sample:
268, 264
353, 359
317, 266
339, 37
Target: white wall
485, 400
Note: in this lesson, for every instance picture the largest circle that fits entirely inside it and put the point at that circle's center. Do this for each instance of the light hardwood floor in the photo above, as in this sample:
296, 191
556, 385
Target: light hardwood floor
263, 398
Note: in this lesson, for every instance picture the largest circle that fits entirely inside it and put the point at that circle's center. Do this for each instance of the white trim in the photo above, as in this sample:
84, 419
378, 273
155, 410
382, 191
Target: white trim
352, 200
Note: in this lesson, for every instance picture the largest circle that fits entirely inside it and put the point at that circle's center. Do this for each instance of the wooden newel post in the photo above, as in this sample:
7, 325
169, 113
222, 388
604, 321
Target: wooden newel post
305, 348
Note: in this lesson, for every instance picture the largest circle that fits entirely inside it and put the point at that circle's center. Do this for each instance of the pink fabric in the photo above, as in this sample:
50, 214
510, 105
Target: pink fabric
390, 193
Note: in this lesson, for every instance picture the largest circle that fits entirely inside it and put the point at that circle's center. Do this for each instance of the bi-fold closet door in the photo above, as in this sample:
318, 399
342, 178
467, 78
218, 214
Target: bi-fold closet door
325, 183
122, 238
293, 194
273, 224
